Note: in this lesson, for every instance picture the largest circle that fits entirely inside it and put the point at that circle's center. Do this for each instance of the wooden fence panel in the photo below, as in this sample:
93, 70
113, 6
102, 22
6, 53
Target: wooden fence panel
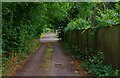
106, 39
80, 41
100, 37
111, 45
119, 47
91, 40
75, 38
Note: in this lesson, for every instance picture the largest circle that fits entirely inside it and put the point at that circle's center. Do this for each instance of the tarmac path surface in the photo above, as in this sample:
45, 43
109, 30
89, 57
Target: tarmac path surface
59, 63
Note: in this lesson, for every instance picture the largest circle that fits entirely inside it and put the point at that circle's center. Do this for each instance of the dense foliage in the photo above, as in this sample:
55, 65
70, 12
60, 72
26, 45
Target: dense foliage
108, 18
24, 21
86, 15
17, 26
95, 66
77, 24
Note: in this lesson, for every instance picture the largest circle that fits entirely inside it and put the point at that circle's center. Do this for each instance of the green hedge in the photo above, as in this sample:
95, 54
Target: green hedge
19, 26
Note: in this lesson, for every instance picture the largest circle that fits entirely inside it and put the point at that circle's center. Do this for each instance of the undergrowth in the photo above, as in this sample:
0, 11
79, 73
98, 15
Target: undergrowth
93, 62
95, 66
16, 59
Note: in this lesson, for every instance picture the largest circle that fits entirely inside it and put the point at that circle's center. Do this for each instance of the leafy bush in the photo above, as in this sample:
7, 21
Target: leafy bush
107, 18
85, 65
96, 58
18, 26
78, 24
95, 66
102, 70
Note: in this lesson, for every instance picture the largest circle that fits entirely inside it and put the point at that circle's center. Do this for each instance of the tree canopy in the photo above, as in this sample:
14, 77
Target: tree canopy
23, 21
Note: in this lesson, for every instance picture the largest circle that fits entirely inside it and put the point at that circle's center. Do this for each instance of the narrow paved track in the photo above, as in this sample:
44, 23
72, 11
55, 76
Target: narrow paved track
59, 65
33, 66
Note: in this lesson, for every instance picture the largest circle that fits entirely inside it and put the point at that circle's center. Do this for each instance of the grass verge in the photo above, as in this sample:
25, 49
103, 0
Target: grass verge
16, 60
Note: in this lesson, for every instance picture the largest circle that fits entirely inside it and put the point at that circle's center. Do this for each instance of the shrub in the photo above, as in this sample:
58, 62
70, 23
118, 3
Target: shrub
95, 66
107, 18
78, 24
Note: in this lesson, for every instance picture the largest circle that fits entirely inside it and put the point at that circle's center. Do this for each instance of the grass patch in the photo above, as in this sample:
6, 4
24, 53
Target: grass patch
47, 58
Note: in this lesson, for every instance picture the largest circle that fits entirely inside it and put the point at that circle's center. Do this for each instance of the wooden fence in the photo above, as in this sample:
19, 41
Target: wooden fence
106, 39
